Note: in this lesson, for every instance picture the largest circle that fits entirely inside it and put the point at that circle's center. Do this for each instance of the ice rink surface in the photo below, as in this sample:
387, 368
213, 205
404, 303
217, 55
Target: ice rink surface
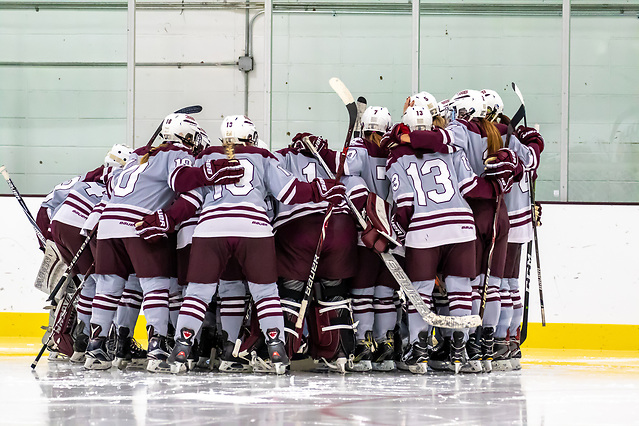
552, 389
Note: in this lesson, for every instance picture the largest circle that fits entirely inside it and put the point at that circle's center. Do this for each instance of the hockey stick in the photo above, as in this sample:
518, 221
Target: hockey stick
361, 107
534, 224
66, 277
194, 109
402, 279
57, 325
345, 95
36, 228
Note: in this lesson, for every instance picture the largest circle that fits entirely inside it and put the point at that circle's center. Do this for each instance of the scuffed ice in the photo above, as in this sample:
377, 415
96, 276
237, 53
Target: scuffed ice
61, 393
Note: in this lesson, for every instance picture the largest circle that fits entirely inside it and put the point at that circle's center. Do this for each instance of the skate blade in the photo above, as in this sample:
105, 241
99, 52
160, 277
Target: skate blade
502, 365
515, 364
386, 365
138, 363
57, 357
234, 367
78, 357
95, 364
419, 368
120, 363
473, 366
456, 367
158, 366
361, 366
487, 365
178, 368
337, 366
402, 366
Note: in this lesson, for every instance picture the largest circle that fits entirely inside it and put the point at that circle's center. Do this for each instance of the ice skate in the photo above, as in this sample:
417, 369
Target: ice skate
457, 352
230, 363
276, 351
363, 354
382, 358
416, 357
501, 358
97, 357
182, 351
111, 342
515, 353
487, 350
157, 355
207, 352
79, 348
439, 358
473, 350
128, 353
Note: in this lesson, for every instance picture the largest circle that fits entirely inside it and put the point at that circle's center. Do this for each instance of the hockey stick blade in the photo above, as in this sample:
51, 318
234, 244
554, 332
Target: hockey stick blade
193, 109
342, 91
518, 93
400, 276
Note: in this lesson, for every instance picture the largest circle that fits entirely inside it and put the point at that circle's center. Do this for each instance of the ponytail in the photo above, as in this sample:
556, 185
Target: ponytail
493, 135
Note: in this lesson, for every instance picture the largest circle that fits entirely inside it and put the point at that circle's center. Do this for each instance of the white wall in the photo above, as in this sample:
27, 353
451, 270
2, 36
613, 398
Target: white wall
587, 259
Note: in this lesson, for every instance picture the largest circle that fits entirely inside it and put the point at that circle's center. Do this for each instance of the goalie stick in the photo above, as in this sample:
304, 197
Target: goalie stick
194, 109
57, 327
345, 95
14, 189
402, 279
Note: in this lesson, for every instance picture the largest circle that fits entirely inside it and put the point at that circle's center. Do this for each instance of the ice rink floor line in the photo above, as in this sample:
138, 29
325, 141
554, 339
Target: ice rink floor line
553, 388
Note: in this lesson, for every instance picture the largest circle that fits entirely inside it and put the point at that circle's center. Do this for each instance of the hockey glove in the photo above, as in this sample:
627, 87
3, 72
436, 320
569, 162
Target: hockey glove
377, 219
529, 135
502, 167
329, 190
222, 171
155, 226
318, 142
393, 138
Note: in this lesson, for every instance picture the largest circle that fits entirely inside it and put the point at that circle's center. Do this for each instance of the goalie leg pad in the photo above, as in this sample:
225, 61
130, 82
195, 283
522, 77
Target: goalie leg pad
331, 328
291, 294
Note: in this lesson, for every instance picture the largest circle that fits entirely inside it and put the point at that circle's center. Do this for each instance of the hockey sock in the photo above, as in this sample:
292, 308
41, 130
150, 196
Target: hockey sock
156, 303
416, 323
193, 310
385, 312
363, 310
130, 305
518, 307
493, 303
175, 301
506, 312
108, 290
267, 306
459, 296
233, 307
84, 302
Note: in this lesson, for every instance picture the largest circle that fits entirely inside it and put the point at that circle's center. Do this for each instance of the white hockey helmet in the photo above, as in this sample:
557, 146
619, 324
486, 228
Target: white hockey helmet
425, 99
444, 109
376, 119
117, 156
182, 128
238, 129
494, 103
468, 104
417, 118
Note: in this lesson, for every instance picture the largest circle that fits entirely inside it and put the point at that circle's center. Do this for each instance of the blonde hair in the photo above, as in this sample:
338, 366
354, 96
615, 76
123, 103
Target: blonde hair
439, 121
374, 137
493, 135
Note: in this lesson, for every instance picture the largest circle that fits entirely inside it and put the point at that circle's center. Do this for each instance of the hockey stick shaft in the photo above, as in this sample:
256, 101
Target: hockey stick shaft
16, 193
345, 95
194, 109
402, 279
67, 273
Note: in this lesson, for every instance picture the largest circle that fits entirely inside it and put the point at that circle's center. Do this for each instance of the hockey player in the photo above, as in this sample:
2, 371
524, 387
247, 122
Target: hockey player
429, 188
234, 223
298, 228
480, 138
148, 183
519, 214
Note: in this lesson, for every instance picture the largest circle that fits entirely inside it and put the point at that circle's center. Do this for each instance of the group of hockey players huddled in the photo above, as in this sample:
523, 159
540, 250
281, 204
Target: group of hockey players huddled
216, 243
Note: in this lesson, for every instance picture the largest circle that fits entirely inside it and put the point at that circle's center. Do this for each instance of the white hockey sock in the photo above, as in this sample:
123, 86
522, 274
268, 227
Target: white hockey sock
108, 290
385, 312
493, 303
518, 307
268, 307
363, 310
85, 301
506, 312
156, 303
416, 323
233, 307
193, 310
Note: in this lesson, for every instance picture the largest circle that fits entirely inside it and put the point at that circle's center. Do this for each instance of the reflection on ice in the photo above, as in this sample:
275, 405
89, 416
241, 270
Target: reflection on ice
67, 394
